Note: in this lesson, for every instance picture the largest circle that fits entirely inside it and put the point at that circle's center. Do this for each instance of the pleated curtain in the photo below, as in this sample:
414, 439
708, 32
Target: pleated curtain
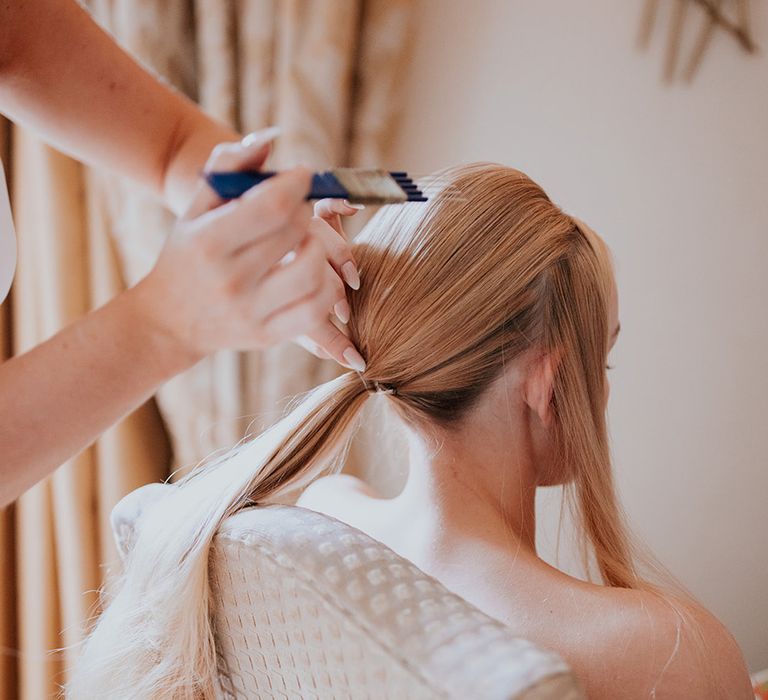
327, 72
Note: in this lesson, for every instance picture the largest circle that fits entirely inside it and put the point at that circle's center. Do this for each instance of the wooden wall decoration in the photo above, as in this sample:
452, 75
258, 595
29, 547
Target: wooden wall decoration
730, 16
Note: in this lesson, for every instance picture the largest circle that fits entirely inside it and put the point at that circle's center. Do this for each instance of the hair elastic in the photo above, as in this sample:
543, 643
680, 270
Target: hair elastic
384, 389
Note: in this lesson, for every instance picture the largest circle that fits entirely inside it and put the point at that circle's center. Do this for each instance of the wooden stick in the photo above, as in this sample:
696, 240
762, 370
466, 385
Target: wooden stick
650, 10
740, 34
705, 36
742, 12
674, 38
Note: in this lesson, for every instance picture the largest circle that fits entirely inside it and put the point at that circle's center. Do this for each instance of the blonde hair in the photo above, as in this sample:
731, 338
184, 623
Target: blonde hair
452, 290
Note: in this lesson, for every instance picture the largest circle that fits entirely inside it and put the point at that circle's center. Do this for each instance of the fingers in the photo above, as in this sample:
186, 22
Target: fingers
301, 295
328, 339
250, 264
249, 153
301, 317
338, 251
305, 277
312, 347
304, 291
260, 212
331, 210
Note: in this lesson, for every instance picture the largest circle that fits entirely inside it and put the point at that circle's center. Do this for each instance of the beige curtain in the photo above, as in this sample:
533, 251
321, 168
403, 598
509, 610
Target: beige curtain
326, 71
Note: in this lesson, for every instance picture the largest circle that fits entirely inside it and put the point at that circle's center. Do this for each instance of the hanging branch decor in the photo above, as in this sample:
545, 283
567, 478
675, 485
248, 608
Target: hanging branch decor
730, 16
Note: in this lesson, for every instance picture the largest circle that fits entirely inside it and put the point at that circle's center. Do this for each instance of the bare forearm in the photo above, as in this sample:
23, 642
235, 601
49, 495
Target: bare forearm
64, 77
56, 399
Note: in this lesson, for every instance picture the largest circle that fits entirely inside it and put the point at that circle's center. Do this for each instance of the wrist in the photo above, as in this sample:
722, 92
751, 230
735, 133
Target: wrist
165, 344
195, 137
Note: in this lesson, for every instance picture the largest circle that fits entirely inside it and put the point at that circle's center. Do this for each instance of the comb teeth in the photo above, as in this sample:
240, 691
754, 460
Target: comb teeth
412, 191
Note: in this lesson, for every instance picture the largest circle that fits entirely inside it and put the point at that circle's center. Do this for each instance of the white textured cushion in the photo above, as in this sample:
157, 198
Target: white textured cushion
305, 606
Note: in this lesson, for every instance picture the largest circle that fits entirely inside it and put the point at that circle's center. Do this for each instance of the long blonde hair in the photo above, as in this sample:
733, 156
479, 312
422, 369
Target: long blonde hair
452, 290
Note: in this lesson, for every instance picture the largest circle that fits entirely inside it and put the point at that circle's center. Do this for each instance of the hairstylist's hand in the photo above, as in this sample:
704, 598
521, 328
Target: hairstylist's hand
244, 274
331, 341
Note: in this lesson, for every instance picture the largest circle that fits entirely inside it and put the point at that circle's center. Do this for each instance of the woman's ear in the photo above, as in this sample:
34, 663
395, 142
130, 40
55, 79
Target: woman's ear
539, 387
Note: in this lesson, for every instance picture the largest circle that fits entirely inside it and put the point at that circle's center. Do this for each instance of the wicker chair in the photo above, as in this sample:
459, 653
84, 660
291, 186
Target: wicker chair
305, 606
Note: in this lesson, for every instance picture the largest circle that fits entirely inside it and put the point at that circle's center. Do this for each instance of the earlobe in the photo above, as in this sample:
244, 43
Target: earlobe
540, 386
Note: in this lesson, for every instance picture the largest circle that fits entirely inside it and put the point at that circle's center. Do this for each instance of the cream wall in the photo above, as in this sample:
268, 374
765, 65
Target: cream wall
676, 180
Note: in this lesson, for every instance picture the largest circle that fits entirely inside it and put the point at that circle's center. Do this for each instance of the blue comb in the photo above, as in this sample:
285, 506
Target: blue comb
357, 185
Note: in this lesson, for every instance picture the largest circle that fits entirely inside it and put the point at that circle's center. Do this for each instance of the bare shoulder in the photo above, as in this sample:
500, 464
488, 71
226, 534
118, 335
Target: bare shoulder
330, 493
663, 647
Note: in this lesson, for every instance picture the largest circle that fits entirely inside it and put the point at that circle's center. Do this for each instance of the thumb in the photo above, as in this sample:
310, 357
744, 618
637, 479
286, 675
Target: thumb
247, 154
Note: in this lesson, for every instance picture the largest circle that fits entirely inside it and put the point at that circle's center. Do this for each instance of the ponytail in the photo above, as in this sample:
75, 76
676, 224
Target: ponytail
154, 640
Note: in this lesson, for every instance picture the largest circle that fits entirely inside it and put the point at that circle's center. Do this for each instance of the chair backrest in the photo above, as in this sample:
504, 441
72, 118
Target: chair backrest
305, 606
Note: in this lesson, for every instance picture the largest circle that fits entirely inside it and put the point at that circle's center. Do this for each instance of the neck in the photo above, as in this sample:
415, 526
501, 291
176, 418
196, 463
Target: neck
474, 486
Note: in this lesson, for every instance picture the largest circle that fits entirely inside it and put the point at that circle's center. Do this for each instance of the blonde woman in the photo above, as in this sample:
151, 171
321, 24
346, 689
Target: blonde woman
485, 317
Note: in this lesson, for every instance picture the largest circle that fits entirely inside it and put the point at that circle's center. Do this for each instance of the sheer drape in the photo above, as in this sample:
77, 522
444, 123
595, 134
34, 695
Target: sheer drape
326, 72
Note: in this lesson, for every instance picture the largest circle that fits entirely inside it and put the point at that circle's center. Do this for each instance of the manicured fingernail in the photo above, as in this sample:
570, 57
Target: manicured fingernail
342, 311
349, 204
350, 274
260, 138
288, 258
354, 359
